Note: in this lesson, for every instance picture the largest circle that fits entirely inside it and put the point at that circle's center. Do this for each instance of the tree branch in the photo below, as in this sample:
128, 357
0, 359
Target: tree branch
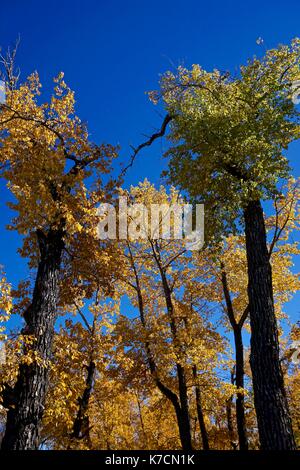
148, 142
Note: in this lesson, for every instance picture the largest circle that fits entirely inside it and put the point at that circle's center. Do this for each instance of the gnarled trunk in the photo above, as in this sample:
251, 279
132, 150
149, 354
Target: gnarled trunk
28, 396
274, 423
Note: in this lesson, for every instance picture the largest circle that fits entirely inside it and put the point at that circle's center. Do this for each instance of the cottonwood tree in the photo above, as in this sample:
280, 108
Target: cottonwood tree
222, 277
45, 158
228, 137
82, 353
155, 275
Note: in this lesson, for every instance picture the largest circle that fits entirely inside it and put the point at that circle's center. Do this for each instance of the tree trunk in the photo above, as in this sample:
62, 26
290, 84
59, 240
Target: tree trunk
274, 423
26, 411
239, 381
180, 404
203, 430
184, 422
230, 428
239, 360
144, 433
81, 426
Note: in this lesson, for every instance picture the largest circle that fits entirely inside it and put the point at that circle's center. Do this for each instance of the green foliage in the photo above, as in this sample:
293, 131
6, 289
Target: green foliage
229, 133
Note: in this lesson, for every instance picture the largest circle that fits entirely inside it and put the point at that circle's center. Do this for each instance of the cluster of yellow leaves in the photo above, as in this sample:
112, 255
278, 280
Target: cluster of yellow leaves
177, 297
5, 302
46, 157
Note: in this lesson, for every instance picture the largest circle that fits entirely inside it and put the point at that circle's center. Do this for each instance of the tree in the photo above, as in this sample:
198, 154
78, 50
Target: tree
155, 275
225, 271
81, 354
228, 138
45, 158
291, 358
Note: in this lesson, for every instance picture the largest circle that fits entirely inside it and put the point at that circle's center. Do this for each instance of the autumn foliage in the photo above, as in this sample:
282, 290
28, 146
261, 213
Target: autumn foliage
140, 343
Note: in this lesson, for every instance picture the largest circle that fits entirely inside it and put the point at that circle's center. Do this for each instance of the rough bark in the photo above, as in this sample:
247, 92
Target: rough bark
274, 423
28, 396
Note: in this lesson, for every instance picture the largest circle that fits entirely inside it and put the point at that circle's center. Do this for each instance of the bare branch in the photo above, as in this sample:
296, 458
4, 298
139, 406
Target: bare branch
83, 318
10, 75
148, 142
244, 316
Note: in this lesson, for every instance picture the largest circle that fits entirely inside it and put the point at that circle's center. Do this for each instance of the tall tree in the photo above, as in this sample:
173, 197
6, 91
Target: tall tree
156, 272
229, 135
45, 157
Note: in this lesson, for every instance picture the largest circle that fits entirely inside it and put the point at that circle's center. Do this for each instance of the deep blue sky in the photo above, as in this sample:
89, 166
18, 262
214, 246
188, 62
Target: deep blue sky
113, 51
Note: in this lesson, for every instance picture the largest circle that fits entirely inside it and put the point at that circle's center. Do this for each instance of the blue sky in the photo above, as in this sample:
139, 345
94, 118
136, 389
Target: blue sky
113, 51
